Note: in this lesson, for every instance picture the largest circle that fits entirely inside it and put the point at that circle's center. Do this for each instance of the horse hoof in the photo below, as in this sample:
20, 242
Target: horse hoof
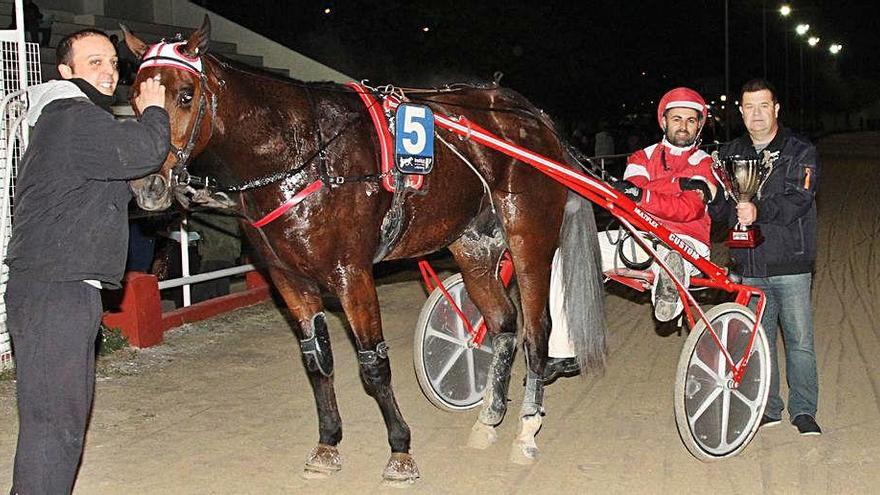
482, 436
323, 461
523, 454
401, 471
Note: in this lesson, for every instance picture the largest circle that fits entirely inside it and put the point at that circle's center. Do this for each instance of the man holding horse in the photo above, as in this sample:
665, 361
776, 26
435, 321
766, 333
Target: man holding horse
672, 180
69, 241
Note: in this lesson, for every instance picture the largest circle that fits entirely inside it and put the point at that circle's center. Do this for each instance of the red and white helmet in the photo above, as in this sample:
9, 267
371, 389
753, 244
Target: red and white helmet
682, 97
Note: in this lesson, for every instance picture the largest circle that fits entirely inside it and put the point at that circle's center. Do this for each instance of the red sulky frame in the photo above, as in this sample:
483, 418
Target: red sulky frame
632, 217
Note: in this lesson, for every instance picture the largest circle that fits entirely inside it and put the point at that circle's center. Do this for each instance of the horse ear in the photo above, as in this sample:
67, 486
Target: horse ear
134, 43
198, 41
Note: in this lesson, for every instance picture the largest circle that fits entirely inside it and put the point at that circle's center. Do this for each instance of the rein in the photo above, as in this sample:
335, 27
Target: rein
169, 55
269, 179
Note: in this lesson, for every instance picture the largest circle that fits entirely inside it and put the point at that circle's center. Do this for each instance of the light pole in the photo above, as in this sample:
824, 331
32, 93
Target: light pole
764, 33
726, 73
785, 11
813, 41
801, 30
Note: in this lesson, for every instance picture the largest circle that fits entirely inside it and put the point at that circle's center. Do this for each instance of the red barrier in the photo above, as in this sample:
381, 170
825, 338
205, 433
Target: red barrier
140, 312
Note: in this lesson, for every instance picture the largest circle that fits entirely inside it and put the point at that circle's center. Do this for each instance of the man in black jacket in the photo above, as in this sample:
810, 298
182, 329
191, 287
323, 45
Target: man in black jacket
785, 211
68, 241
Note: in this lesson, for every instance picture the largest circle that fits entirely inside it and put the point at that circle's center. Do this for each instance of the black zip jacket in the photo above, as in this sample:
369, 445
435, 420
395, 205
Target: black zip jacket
70, 220
786, 208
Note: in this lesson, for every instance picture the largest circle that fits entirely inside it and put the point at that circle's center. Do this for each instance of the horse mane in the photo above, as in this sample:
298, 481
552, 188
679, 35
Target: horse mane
226, 63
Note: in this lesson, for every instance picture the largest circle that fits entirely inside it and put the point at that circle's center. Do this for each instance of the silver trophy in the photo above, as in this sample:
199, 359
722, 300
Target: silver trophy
742, 179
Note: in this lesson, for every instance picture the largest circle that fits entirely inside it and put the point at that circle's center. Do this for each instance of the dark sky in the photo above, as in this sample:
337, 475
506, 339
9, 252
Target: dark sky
575, 58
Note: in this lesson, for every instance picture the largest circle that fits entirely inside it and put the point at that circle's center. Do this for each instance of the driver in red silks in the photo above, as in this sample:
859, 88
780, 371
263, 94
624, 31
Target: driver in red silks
672, 180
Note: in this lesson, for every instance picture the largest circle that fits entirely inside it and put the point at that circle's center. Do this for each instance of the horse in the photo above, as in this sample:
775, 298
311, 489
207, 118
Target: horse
279, 140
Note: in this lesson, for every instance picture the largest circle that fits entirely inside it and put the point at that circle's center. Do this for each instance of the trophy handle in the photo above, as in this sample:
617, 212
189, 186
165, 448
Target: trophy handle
721, 175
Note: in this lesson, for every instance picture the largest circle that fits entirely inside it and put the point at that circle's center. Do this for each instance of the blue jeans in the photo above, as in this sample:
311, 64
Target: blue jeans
788, 304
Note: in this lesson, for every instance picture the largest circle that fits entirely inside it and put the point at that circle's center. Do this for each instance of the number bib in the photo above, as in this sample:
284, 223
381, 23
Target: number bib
414, 139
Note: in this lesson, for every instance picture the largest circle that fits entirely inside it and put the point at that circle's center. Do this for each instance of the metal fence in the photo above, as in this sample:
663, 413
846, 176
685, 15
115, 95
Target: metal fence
20, 63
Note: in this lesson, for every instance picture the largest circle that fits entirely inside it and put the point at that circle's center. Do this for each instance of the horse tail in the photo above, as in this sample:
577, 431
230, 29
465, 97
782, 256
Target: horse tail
583, 291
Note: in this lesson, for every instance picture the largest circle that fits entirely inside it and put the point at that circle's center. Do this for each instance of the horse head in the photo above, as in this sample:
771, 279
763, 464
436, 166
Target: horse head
190, 100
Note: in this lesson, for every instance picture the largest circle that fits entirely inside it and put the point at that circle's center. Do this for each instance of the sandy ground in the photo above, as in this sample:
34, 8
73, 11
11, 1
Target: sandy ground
224, 406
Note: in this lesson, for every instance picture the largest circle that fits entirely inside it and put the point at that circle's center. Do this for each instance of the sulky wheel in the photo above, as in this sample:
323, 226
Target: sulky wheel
451, 372
717, 418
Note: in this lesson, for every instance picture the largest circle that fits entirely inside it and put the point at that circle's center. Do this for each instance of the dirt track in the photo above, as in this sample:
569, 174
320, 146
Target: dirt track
225, 407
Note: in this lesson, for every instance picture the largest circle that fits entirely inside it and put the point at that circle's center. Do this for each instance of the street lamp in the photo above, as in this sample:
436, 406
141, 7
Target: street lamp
785, 10
801, 29
813, 41
835, 48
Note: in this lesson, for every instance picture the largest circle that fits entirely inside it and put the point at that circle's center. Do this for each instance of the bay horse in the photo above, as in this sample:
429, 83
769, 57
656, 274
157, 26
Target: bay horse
279, 136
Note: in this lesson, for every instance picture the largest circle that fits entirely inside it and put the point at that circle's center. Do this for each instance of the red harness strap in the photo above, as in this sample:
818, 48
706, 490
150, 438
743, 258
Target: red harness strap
375, 110
385, 141
290, 203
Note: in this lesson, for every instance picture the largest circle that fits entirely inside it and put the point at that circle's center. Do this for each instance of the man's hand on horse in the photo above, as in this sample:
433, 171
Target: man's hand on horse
629, 190
746, 213
150, 94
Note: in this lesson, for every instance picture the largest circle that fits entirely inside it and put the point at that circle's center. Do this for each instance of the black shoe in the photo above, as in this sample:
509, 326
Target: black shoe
558, 367
666, 294
806, 425
767, 421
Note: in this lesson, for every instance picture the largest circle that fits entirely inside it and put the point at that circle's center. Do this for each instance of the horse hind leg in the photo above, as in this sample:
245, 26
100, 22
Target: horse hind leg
477, 253
483, 433
356, 290
532, 219
304, 302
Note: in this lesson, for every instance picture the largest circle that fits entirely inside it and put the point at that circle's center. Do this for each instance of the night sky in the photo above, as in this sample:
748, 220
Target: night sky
582, 60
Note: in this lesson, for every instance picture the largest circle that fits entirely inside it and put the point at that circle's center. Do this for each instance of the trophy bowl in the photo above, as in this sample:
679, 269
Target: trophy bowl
742, 178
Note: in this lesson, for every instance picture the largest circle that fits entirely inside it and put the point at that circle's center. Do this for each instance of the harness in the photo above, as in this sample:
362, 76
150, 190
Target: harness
377, 102
170, 55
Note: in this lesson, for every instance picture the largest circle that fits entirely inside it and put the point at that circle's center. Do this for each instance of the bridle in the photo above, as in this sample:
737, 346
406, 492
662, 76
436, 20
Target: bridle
164, 54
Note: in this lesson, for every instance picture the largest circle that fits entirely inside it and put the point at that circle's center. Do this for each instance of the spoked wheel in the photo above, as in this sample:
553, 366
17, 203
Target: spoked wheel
717, 418
451, 372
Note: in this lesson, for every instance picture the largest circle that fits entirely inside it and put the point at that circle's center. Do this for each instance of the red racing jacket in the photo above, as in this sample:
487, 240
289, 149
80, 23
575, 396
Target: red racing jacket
656, 170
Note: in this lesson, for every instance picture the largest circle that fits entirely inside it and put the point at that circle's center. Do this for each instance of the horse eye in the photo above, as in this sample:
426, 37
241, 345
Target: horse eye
184, 98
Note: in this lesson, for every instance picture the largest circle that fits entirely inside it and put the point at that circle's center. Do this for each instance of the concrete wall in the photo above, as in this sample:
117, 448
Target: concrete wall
136, 10
183, 13
186, 14
76, 6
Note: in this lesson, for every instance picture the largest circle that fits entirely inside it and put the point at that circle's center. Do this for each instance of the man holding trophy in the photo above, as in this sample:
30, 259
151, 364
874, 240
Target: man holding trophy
770, 177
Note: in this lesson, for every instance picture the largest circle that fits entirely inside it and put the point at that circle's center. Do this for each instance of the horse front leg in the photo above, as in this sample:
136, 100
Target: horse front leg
357, 293
304, 301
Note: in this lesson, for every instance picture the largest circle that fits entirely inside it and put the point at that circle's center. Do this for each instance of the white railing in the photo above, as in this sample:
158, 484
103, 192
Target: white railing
186, 280
20, 65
